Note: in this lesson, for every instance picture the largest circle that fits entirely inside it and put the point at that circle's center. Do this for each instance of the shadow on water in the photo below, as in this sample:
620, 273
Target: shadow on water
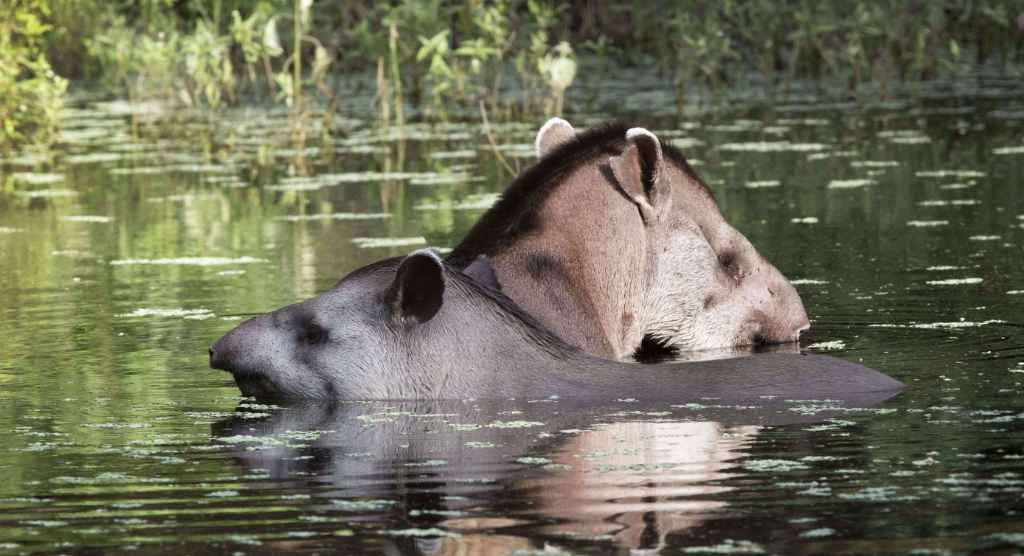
494, 477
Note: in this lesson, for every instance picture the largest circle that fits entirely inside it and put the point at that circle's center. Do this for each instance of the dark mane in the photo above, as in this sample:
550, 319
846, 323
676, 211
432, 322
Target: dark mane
515, 213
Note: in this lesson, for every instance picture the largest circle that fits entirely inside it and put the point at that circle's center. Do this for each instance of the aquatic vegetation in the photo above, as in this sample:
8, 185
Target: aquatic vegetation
729, 546
955, 281
533, 461
758, 184
428, 532
380, 242
155, 312
772, 146
89, 218
829, 345
949, 203
774, 465
470, 202
950, 174
31, 94
1009, 150
850, 184
337, 216
46, 193
942, 325
189, 261
513, 424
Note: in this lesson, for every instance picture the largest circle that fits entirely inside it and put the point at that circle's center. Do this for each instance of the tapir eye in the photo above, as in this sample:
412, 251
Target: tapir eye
728, 261
314, 334
730, 264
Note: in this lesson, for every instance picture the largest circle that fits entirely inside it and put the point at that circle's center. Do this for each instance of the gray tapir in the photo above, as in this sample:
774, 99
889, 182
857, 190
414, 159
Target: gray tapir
416, 328
612, 240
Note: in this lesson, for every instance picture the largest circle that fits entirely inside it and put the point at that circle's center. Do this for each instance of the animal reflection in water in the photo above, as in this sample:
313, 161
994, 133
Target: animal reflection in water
626, 474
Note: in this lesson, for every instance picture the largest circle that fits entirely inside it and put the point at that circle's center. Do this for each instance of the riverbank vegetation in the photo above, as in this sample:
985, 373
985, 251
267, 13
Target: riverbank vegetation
434, 60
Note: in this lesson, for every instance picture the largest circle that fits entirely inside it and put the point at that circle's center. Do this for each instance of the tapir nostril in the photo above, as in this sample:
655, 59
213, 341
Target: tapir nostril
216, 359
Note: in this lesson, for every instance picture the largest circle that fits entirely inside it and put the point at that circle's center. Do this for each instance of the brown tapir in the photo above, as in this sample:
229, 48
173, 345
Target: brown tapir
611, 239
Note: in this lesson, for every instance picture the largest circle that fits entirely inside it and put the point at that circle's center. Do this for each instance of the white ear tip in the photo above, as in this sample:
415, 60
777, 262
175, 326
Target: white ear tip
637, 131
544, 129
554, 121
426, 251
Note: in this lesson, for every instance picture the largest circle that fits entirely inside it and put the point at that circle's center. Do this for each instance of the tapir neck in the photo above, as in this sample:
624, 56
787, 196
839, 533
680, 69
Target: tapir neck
582, 275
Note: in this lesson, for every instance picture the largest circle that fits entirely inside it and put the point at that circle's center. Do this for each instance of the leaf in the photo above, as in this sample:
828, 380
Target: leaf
305, 11
321, 60
270, 40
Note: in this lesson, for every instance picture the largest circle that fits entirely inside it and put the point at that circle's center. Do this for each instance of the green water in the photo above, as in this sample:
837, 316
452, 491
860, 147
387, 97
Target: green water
901, 223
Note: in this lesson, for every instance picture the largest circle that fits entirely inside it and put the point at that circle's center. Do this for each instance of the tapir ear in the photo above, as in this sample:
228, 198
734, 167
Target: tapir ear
418, 290
555, 133
639, 171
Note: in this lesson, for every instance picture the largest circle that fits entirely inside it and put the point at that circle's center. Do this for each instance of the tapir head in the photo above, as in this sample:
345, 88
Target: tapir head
706, 285
404, 328
360, 340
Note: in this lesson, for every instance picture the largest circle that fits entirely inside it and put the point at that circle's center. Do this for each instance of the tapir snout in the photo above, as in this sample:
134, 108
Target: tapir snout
240, 350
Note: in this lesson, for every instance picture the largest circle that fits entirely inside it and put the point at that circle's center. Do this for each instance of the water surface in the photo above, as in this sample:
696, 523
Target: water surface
900, 222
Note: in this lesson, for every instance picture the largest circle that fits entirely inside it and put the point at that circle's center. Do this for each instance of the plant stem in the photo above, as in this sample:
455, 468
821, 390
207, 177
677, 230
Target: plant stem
395, 75
490, 139
297, 58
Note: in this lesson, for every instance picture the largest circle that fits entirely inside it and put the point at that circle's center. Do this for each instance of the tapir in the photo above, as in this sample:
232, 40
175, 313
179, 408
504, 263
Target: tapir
612, 242
419, 328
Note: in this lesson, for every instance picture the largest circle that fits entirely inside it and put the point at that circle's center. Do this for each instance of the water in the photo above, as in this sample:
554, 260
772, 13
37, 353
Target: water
901, 224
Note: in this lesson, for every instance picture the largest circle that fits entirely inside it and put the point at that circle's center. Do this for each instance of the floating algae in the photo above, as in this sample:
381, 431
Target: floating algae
189, 261
941, 325
949, 203
776, 465
950, 174
729, 546
198, 314
46, 193
830, 345
773, 146
954, 281
1009, 150
850, 184
470, 202
380, 242
874, 163
89, 218
37, 178
336, 216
